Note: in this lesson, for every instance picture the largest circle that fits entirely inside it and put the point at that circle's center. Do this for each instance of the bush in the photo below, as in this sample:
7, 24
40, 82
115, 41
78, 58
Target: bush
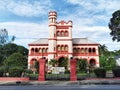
33, 76
1, 71
116, 71
15, 71
67, 71
100, 72
28, 71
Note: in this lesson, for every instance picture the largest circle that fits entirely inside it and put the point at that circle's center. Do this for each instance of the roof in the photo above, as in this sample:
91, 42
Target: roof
83, 41
75, 41
40, 41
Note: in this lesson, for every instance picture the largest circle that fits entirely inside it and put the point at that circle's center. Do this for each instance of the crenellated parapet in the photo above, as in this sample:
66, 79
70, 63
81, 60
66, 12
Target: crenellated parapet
63, 23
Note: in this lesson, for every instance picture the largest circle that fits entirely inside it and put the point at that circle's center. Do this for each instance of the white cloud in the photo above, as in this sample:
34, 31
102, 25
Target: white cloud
95, 10
26, 32
20, 8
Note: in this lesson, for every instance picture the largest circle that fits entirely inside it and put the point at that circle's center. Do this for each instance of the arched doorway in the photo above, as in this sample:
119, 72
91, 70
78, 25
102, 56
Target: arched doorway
33, 65
92, 62
63, 62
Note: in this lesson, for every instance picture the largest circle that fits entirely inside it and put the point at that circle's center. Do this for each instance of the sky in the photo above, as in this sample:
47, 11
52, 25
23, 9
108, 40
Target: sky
28, 19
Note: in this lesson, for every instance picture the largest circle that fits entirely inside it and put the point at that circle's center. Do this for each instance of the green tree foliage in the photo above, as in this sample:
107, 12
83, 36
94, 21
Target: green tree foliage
15, 71
37, 65
114, 26
16, 60
53, 62
63, 62
10, 48
4, 38
107, 57
81, 65
103, 49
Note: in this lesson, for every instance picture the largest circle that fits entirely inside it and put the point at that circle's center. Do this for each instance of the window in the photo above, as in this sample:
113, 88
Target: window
36, 50
32, 50
90, 50
58, 33
40, 50
43, 50
74, 50
62, 47
82, 50
94, 50
46, 50
66, 33
58, 48
62, 33
66, 48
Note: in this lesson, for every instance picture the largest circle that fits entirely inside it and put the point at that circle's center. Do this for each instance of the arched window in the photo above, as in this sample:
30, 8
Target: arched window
78, 50
32, 50
74, 50
40, 50
94, 50
36, 50
62, 33
92, 62
32, 63
58, 33
58, 48
86, 50
66, 33
82, 50
66, 48
46, 50
43, 50
90, 50
62, 48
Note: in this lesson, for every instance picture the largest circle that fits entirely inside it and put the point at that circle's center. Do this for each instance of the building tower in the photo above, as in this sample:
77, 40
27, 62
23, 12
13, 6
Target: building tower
52, 35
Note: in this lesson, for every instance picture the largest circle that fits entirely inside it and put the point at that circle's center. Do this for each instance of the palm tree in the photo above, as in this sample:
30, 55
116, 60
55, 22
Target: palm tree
103, 49
53, 62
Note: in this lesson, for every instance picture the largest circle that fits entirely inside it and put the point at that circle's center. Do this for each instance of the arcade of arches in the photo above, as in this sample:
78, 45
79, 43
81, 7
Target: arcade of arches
62, 62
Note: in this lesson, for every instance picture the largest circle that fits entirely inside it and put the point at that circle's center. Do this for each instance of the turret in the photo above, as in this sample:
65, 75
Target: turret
52, 35
52, 17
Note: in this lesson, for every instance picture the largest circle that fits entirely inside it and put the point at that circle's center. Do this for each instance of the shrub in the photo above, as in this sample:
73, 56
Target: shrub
28, 71
67, 71
15, 71
100, 72
33, 76
116, 71
1, 71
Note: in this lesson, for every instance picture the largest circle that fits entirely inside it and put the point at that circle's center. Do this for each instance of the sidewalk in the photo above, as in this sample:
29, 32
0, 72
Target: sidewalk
89, 81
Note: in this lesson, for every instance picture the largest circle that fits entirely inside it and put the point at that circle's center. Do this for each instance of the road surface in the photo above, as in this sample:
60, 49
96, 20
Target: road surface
47, 87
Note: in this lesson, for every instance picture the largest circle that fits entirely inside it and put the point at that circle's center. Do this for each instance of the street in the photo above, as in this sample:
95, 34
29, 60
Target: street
47, 87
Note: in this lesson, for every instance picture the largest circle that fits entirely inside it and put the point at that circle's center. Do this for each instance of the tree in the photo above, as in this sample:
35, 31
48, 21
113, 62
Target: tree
81, 65
63, 62
16, 60
114, 26
103, 49
10, 48
4, 38
53, 62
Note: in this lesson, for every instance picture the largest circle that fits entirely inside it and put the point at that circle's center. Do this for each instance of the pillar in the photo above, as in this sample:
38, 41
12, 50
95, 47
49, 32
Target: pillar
41, 76
73, 75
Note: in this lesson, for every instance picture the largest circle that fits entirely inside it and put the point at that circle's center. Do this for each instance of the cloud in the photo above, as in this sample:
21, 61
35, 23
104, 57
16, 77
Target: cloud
90, 19
99, 34
26, 8
95, 10
26, 32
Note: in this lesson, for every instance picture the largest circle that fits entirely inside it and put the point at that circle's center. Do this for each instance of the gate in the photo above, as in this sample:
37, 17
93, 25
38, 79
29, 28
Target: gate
57, 76
61, 77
